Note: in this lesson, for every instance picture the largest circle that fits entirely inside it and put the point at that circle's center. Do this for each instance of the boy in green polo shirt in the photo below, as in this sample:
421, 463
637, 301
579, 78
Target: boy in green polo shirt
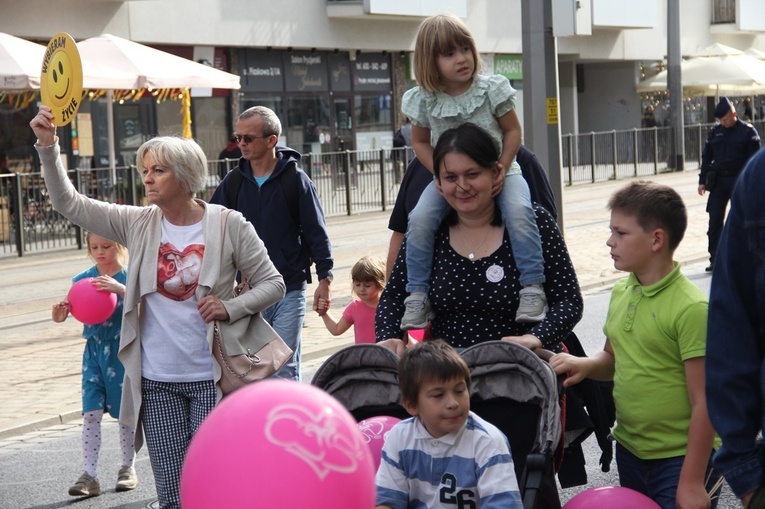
654, 352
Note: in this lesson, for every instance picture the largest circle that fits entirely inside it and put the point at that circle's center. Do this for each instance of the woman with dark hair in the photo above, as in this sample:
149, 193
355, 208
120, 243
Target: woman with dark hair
475, 283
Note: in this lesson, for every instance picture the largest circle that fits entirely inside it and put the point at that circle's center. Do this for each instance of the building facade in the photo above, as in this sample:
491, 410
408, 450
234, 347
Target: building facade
335, 70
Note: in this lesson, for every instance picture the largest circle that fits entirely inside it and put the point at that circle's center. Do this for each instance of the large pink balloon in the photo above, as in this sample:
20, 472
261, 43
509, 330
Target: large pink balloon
89, 305
375, 429
610, 497
282, 444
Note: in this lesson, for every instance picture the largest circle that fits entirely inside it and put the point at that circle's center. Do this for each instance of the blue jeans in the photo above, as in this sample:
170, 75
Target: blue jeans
517, 214
286, 317
656, 479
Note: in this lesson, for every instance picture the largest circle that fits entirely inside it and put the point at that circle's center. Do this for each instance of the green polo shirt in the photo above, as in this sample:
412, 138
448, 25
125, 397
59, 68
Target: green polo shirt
653, 330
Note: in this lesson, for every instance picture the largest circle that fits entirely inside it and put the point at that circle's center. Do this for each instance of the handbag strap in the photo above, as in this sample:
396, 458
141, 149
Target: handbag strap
223, 222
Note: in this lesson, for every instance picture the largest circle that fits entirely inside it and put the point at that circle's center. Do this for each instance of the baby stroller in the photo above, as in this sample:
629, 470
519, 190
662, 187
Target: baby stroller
364, 378
512, 388
517, 391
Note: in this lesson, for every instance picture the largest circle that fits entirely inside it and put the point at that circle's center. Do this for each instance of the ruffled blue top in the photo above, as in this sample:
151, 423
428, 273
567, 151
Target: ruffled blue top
487, 99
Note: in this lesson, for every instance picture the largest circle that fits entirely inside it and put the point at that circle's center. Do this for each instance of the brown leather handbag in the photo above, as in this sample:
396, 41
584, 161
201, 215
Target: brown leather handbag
248, 349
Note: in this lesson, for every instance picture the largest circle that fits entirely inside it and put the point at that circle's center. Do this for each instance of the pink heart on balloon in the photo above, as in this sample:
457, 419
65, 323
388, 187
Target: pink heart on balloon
322, 440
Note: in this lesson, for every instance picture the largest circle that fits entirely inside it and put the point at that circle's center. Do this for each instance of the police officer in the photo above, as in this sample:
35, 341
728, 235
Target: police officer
729, 146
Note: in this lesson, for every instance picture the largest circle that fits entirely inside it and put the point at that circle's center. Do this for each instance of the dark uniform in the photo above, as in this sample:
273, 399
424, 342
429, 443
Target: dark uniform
726, 152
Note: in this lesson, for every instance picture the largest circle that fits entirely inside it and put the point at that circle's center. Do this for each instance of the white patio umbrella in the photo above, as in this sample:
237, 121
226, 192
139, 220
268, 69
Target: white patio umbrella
154, 69
20, 62
737, 74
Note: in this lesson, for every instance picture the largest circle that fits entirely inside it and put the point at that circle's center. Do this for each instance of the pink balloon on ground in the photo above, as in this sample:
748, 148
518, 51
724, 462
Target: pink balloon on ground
282, 444
611, 497
375, 429
89, 305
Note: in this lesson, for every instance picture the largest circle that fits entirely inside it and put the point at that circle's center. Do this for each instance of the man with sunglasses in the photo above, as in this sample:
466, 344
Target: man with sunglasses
280, 200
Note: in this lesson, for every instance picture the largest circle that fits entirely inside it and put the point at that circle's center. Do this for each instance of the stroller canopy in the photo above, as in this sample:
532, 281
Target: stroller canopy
503, 370
364, 378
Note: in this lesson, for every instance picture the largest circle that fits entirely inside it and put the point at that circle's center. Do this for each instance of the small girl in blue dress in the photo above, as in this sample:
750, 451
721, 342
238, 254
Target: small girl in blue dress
102, 372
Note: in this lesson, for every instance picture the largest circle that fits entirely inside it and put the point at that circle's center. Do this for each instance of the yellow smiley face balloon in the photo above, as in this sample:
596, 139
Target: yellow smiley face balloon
61, 78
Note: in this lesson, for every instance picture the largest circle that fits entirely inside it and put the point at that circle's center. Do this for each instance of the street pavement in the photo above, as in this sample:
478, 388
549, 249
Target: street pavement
40, 360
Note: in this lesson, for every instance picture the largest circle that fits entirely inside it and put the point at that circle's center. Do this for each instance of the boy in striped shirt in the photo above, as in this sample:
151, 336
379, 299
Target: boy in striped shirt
445, 456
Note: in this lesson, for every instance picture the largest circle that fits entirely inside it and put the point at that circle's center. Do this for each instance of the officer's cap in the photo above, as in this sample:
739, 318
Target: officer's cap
723, 107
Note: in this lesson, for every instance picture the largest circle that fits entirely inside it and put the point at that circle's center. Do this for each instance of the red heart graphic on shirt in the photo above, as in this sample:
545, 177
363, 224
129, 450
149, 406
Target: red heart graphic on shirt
178, 271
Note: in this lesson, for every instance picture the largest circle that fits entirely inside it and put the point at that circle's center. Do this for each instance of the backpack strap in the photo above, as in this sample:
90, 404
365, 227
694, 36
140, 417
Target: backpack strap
289, 182
233, 186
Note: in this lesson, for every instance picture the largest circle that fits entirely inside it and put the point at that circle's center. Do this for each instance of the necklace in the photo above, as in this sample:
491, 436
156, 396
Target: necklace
471, 254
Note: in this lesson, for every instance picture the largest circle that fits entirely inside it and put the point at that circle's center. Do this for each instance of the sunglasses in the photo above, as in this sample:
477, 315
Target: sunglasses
239, 138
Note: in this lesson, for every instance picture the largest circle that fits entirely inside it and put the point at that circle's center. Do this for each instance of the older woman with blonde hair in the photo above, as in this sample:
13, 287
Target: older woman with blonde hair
179, 282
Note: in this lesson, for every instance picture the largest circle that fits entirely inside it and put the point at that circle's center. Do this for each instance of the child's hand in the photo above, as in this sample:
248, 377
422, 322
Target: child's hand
322, 307
498, 182
60, 311
569, 365
109, 284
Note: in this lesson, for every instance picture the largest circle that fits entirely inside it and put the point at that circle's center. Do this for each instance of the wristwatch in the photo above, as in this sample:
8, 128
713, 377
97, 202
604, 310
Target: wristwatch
330, 277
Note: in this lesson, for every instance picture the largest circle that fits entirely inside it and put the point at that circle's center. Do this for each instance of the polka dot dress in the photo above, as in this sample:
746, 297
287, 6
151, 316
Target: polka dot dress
476, 301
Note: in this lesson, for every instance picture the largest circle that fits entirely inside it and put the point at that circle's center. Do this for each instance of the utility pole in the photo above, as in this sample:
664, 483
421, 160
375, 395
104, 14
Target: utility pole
541, 129
675, 85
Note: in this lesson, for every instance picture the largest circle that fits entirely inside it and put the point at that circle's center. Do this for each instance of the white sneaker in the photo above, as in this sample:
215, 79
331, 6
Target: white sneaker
418, 312
533, 304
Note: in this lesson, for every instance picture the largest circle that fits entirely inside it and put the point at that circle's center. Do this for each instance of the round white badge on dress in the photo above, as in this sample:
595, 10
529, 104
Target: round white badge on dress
495, 273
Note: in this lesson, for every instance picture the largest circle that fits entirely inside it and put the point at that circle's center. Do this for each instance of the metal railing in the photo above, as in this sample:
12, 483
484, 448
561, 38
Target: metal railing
350, 182
598, 156
347, 183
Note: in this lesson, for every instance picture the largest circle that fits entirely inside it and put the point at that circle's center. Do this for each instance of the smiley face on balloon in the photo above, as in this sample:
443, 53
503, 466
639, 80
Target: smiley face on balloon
61, 78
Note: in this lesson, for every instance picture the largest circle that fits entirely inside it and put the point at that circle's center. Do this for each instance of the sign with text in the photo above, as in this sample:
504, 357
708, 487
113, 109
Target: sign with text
372, 72
509, 66
305, 71
261, 70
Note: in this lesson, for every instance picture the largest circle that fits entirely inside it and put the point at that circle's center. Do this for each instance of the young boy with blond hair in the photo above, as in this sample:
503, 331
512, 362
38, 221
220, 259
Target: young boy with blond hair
654, 352
445, 456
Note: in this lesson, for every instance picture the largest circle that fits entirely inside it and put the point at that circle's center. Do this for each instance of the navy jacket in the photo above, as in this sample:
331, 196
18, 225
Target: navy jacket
735, 357
266, 208
728, 149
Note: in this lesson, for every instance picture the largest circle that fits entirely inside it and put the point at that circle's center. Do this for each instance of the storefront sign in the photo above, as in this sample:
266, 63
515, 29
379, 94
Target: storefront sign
305, 71
509, 66
339, 72
372, 72
261, 71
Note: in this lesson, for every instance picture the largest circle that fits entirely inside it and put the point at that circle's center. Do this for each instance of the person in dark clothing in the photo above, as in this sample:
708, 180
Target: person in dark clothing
232, 151
293, 238
417, 177
729, 146
735, 354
